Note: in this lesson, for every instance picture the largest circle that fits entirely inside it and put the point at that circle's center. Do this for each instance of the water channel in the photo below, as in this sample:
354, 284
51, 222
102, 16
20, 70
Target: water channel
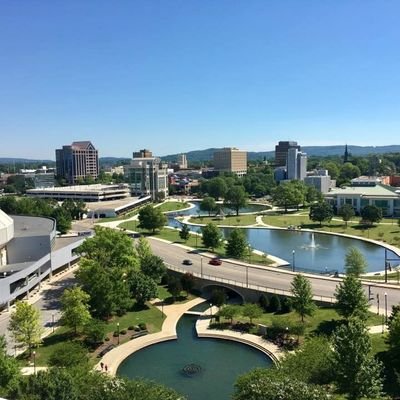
198, 368
326, 256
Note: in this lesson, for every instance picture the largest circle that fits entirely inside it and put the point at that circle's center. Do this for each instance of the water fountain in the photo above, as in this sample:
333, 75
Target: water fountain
312, 244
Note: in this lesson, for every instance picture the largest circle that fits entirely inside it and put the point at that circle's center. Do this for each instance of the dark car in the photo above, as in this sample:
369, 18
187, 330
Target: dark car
187, 262
215, 261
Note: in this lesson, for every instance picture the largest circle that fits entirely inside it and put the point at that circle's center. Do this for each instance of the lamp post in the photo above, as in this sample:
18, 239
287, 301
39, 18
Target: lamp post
211, 314
34, 362
385, 308
201, 266
52, 322
247, 276
377, 301
293, 260
118, 331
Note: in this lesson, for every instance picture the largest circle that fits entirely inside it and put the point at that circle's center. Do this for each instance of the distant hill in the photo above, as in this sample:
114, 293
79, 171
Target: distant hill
321, 151
10, 160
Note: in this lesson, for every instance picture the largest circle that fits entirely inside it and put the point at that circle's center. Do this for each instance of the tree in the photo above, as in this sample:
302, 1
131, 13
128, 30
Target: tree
229, 312
302, 300
321, 212
184, 233
351, 299
313, 195
143, 248
143, 288
63, 219
187, 282
75, 307
174, 286
10, 370
394, 336
264, 302
235, 198
154, 267
237, 244
271, 384
25, 325
346, 212
212, 236
284, 195
218, 297
333, 169
94, 331
275, 304
68, 355
371, 214
356, 372
151, 218
216, 188
208, 204
348, 171
252, 311
355, 263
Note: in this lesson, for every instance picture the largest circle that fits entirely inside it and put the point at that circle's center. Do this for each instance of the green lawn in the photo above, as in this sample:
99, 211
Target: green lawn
323, 321
378, 342
389, 233
231, 220
173, 206
119, 218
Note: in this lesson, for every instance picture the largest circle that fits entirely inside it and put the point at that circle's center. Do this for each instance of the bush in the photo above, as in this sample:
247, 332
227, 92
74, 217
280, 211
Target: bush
131, 328
264, 302
275, 304
286, 305
106, 339
142, 326
94, 331
116, 334
123, 332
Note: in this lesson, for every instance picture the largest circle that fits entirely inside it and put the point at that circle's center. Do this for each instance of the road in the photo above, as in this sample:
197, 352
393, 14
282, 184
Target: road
271, 278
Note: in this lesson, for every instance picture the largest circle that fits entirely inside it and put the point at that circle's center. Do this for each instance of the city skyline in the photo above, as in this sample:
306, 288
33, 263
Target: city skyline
182, 76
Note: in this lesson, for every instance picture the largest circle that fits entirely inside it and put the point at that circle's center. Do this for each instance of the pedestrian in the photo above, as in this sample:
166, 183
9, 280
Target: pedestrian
101, 366
105, 367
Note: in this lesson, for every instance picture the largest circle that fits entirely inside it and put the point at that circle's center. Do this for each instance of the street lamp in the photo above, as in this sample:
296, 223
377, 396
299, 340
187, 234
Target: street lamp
118, 331
201, 266
377, 300
211, 314
52, 322
293, 260
386, 308
34, 362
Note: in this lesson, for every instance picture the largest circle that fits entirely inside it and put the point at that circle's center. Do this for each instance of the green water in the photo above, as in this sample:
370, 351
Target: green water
221, 362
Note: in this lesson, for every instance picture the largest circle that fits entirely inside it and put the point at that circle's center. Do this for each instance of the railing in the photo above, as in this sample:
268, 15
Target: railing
244, 285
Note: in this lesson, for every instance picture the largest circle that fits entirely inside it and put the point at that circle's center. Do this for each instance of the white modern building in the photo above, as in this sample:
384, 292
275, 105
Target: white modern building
29, 253
385, 197
296, 164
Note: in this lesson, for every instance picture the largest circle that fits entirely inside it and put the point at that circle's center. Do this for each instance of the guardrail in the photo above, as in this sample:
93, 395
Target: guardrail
244, 285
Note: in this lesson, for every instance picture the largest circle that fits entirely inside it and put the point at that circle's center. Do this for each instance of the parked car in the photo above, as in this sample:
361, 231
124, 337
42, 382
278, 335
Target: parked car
187, 262
215, 261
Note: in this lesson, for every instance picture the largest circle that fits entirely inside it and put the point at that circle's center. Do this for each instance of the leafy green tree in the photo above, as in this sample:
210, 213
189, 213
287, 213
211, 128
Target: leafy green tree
143, 288
264, 302
188, 282
184, 233
10, 371
94, 331
348, 171
235, 198
218, 297
237, 244
63, 219
143, 248
355, 262
357, 373
351, 299
68, 355
216, 188
285, 195
75, 308
208, 204
394, 336
174, 286
212, 236
151, 218
154, 267
275, 304
371, 214
346, 212
229, 312
271, 384
302, 300
321, 212
252, 311
313, 195
25, 325
333, 169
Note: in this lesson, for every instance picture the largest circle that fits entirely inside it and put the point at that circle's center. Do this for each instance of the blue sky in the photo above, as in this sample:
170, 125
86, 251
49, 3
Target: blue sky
175, 76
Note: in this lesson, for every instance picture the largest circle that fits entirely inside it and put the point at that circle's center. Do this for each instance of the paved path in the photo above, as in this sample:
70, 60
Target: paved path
172, 313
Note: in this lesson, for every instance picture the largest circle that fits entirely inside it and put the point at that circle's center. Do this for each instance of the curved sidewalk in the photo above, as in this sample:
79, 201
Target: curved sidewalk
168, 332
267, 347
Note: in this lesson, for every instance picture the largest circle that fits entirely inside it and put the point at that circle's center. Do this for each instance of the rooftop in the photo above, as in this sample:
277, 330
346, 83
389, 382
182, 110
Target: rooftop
378, 191
81, 188
25, 226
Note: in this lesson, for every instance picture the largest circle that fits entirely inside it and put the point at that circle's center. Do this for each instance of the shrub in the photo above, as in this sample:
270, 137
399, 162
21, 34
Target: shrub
264, 302
123, 332
131, 328
274, 304
116, 334
286, 305
142, 326
107, 339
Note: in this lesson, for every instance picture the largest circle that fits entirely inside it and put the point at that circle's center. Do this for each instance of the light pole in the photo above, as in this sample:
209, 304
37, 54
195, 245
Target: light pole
34, 362
377, 300
385, 308
201, 266
52, 322
247, 276
118, 331
293, 260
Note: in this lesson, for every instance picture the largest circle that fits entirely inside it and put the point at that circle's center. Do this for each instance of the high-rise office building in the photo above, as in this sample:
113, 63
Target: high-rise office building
147, 175
231, 159
77, 161
182, 161
296, 164
281, 152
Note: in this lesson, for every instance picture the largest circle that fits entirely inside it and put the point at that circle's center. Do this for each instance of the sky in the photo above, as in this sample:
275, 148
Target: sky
181, 75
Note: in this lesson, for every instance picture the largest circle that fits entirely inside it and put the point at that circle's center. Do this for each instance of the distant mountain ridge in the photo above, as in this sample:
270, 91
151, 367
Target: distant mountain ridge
321, 151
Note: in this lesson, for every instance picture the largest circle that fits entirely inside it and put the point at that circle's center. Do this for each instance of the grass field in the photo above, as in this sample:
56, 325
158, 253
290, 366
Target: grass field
231, 220
388, 232
173, 206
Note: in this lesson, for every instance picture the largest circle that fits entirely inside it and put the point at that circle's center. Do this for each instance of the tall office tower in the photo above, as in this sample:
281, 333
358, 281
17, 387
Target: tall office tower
281, 152
77, 161
296, 165
301, 166
231, 159
147, 175
182, 161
